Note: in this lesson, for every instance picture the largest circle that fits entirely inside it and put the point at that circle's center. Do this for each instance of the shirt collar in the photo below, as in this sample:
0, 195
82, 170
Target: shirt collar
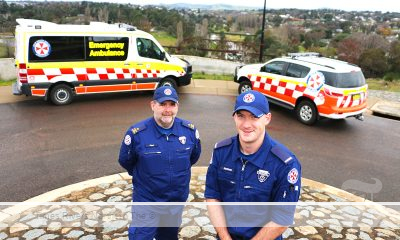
174, 128
259, 157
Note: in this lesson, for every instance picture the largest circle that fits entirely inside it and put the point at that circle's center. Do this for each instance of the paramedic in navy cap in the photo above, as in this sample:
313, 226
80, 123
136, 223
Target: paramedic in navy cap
252, 167
158, 153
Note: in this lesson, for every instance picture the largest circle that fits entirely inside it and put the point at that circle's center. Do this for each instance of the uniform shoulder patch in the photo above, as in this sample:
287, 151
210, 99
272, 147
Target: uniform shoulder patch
223, 143
282, 154
137, 128
188, 124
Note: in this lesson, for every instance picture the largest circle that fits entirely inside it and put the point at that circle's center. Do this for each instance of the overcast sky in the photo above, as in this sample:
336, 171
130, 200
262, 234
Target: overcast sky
348, 5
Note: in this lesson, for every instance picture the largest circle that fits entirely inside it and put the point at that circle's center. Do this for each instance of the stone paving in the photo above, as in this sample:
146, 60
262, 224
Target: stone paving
385, 95
110, 221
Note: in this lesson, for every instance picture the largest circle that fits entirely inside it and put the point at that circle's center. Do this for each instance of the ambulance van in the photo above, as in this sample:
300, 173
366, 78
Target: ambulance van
58, 61
311, 85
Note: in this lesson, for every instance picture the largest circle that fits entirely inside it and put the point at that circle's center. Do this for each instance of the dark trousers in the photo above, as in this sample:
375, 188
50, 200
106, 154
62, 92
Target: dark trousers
148, 233
161, 223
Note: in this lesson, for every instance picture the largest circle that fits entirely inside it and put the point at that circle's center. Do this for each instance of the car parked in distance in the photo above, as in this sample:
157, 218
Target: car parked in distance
312, 85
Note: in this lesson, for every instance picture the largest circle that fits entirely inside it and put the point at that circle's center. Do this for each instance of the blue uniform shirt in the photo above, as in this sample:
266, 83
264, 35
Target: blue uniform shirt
158, 163
272, 174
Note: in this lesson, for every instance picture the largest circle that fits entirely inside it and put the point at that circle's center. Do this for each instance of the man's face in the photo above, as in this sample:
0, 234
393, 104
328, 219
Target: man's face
164, 113
249, 127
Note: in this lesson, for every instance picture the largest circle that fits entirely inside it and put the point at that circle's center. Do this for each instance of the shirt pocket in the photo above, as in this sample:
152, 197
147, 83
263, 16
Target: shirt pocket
182, 159
257, 192
227, 183
153, 162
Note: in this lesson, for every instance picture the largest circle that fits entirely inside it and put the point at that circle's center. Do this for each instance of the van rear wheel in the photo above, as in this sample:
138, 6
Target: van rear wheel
61, 95
168, 82
306, 112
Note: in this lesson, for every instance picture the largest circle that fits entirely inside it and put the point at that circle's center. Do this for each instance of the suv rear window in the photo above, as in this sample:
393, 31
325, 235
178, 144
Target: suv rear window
344, 80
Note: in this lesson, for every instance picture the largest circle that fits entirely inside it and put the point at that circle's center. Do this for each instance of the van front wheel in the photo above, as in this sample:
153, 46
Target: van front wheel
306, 112
61, 95
244, 87
168, 82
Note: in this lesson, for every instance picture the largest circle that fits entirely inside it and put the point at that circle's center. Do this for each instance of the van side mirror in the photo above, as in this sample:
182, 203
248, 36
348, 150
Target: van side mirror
162, 56
262, 69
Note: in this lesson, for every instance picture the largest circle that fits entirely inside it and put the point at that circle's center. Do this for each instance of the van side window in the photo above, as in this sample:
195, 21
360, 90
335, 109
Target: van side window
297, 71
148, 49
56, 48
275, 67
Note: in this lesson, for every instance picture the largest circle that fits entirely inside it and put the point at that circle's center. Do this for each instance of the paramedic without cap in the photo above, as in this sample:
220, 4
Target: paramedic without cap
158, 153
252, 167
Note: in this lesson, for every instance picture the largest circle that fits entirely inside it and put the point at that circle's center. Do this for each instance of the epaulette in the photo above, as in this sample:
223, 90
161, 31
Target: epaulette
223, 143
138, 128
188, 124
281, 153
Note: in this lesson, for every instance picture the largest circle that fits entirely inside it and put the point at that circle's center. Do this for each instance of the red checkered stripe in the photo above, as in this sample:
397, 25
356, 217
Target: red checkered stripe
347, 101
274, 85
83, 74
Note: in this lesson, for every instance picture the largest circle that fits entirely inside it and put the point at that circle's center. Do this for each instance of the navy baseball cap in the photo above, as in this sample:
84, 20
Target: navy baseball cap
252, 101
165, 93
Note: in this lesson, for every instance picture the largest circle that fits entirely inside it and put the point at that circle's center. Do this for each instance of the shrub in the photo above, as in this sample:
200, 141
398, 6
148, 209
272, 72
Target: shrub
391, 76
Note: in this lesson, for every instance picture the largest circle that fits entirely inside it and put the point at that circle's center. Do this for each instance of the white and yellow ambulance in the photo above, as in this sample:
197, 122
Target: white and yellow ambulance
59, 61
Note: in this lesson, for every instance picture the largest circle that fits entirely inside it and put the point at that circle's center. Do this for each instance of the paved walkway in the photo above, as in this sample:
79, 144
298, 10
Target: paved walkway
77, 212
340, 215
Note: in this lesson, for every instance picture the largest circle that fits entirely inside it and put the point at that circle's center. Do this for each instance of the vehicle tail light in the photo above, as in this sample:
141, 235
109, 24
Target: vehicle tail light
22, 73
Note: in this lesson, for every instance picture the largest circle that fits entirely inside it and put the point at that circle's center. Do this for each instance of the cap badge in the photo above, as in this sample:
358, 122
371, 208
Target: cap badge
167, 92
262, 175
249, 98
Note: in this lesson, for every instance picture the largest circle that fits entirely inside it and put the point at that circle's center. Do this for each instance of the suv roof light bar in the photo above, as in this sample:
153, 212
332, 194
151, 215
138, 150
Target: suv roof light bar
304, 54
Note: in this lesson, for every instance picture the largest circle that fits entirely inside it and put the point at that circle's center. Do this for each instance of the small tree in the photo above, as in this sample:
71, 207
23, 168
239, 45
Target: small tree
349, 50
373, 62
394, 57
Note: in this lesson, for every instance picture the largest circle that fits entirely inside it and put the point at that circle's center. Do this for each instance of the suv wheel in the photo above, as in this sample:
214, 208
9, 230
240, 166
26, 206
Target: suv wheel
168, 82
244, 87
306, 112
61, 95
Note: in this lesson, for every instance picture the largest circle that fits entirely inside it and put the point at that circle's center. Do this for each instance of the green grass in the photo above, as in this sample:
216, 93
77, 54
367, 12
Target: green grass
3, 51
6, 83
164, 38
197, 75
380, 84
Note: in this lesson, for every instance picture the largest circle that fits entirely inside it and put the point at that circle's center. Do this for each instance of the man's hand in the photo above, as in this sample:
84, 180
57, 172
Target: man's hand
217, 217
270, 230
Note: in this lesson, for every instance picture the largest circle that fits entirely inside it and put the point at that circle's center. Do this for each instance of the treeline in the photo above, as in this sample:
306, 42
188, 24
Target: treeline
145, 18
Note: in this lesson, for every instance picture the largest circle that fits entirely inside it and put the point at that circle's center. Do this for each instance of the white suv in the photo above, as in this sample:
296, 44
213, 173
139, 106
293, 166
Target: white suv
313, 86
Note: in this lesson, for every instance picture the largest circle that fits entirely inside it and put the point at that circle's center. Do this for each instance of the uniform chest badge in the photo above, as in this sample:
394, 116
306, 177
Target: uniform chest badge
182, 139
262, 175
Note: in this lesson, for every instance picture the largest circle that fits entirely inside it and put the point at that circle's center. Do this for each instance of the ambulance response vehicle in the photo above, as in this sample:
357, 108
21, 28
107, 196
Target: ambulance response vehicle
58, 61
313, 86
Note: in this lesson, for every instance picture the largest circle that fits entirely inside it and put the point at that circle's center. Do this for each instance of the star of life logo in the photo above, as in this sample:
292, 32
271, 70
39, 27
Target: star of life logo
41, 48
293, 176
167, 92
249, 98
315, 81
